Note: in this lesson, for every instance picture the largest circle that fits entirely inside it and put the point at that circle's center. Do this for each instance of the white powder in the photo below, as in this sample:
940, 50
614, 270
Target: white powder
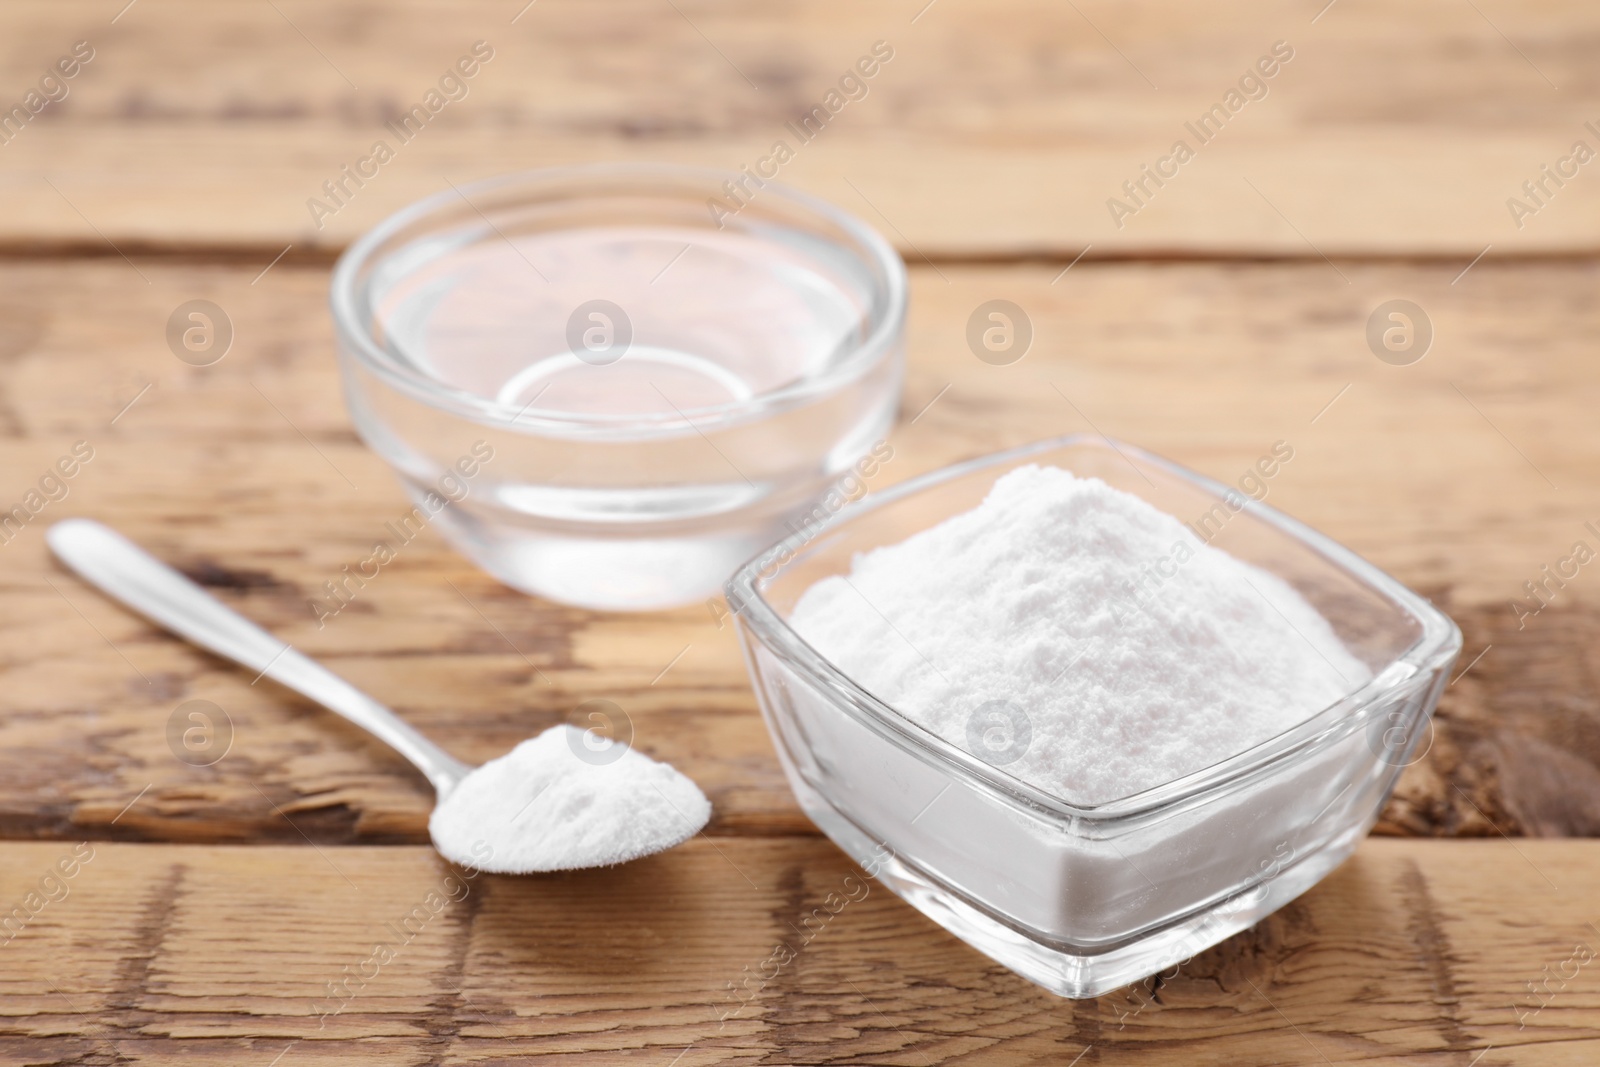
1031, 598
541, 807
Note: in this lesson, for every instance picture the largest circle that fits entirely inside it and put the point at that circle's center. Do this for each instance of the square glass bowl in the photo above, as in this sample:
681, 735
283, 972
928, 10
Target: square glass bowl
1082, 900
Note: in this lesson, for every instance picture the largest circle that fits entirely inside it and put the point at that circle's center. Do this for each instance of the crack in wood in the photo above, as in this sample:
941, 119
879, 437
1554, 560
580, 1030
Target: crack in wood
443, 1020
131, 982
1435, 954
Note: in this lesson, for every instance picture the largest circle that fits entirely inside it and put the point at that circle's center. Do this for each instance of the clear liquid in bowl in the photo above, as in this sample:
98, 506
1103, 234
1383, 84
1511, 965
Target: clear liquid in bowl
696, 319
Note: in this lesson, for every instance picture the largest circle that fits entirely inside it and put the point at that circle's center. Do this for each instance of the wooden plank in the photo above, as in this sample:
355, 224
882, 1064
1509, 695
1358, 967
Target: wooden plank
1406, 955
210, 469
996, 129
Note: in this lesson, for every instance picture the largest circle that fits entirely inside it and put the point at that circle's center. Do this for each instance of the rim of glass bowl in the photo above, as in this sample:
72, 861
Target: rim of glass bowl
352, 317
1436, 646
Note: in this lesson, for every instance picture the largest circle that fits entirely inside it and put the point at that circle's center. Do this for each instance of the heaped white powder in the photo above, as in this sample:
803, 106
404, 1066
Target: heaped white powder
1048, 596
543, 807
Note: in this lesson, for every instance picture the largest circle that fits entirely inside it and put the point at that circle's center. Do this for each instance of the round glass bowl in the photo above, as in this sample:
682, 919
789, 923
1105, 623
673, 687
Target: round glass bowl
1083, 899
610, 385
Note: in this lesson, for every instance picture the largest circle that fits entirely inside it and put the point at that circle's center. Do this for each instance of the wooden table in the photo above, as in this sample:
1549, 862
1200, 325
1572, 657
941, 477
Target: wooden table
214, 911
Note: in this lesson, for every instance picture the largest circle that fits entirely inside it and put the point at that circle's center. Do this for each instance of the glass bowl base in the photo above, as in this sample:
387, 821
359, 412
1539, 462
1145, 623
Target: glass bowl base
1067, 970
631, 570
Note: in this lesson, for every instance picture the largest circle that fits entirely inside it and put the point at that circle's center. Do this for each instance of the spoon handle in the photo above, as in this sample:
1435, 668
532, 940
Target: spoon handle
127, 573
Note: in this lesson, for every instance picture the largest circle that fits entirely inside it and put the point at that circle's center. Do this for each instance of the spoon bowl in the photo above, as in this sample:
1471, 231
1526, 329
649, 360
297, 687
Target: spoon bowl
594, 815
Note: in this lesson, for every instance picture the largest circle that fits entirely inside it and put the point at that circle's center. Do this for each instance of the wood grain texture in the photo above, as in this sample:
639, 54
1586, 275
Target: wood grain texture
1414, 952
238, 473
180, 166
998, 128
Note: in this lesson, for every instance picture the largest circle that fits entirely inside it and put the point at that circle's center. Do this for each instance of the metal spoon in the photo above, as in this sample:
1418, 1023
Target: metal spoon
128, 574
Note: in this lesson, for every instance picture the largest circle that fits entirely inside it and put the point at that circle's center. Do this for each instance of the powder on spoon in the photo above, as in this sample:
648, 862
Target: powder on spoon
541, 807
1030, 599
